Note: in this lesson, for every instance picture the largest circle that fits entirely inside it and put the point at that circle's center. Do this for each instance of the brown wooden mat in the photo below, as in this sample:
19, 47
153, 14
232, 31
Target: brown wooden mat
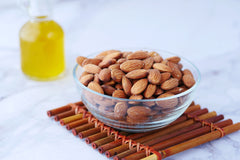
195, 127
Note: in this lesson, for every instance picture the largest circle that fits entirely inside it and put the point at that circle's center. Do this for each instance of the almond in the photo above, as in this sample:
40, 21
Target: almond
114, 66
105, 53
180, 66
176, 73
164, 62
110, 83
127, 85
149, 103
96, 78
139, 86
121, 60
96, 87
148, 62
188, 80
154, 76
150, 90
95, 61
84, 74
138, 111
137, 74
108, 89
103, 108
135, 97
119, 94
187, 72
177, 90
125, 54
165, 76
91, 68
136, 120
107, 62
138, 55
170, 103
120, 110
117, 75
158, 91
80, 60
86, 79
131, 65
119, 86
162, 67
174, 59
105, 75
157, 59
170, 84
152, 54
115, 55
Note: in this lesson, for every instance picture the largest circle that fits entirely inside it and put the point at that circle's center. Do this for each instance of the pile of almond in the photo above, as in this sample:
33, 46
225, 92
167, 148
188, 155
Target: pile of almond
134, 75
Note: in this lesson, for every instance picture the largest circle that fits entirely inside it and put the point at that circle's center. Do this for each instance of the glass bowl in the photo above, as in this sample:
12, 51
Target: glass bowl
159, 112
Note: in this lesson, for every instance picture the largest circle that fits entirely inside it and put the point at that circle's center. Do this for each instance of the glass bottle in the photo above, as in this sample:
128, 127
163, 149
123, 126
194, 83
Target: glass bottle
41, 42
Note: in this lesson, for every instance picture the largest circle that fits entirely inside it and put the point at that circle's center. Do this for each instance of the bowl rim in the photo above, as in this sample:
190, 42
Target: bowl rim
142, 100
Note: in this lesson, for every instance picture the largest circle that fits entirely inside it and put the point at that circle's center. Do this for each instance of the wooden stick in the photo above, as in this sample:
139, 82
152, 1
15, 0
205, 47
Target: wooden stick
84, 127
89, 132
178, 139
103, 141
53, 112
125, 153
70, 119
95, 137
161, 132
195, 142
64, 114
184, 116
192, 108
76, 123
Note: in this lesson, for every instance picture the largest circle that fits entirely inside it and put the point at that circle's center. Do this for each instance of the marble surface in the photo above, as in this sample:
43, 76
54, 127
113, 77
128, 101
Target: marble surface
206, 32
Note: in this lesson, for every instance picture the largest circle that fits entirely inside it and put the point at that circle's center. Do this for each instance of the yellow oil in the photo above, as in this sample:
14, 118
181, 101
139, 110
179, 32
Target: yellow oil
42, 49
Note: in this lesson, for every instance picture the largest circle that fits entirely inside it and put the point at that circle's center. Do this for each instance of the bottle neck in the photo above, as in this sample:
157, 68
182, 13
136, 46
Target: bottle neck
40, 18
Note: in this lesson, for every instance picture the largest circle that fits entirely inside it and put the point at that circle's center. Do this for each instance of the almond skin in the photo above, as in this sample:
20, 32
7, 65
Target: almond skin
96, 78
127, 85
162, 67
117, 75
137, 74
138, 55
119, 86
150, 90
154, 76
170, 84
174, 59
136, 97
158, 91
105, 75
165, 76
187, 72
105, 53
170, 103
107, 62
177, 90
176, 73
96, 87
188, 80
114, 66
119, 94
157, 59
95, 61
138, 111
148, 62
114, 55
121, 60
92, 68
108, 89
80, 60
139, 86
131, 65
86, 79
110, 83
120, 110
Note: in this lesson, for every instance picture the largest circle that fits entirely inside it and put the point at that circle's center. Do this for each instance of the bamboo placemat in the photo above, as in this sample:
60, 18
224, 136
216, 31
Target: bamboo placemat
195, 127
